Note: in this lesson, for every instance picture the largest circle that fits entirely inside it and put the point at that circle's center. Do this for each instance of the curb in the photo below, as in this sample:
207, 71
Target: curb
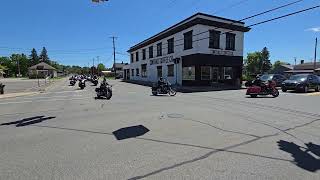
12, 95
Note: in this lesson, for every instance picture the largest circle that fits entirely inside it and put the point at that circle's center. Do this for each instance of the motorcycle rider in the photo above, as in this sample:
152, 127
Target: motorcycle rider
161, 83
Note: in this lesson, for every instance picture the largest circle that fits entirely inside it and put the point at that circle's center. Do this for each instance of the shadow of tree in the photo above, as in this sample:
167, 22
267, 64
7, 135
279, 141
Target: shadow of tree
302, 158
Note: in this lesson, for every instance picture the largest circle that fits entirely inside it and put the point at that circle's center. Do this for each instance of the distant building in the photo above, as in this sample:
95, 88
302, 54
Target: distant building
282, 69
199, 51
305, 68
119, 68
42, 70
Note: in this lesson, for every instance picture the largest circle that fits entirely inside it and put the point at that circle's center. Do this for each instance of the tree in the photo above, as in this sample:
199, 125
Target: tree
101, 67
252, 63
265, 61
278, 63
44, 56
34, 59
22, 61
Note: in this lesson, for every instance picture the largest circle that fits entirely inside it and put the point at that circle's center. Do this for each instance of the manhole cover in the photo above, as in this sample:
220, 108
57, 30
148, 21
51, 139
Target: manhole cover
174, 115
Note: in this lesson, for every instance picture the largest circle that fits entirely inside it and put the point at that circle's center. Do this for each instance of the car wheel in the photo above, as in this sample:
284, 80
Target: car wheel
284, 89
318, 88
253, 95
305, 89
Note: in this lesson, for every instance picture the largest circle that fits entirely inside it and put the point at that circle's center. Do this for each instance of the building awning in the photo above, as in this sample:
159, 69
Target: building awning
299, 71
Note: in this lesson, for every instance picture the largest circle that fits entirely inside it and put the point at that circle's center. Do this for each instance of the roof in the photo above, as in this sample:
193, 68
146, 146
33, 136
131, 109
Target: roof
199, 18
44, 65
120, 65
287, 66
307, 66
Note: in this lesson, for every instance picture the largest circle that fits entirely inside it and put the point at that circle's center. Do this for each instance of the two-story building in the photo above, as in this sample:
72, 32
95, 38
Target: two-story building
198, 51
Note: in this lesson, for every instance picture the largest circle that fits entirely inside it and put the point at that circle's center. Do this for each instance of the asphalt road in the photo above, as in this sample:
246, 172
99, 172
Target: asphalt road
211, 135
17, 85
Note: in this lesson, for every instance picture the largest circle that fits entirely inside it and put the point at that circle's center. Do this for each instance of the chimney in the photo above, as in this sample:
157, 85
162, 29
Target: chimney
302, 62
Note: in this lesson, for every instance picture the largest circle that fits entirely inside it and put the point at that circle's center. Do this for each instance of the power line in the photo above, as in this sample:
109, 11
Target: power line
249, 17
259, 23
231, 6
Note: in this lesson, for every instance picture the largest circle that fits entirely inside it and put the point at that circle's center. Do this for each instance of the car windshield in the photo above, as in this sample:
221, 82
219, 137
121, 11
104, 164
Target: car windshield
266, 77
299, 77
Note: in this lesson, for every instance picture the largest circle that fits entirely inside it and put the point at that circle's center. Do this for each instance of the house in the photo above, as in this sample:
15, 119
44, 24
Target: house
199, 51
42, 70
282, 69
119, 68
304, 68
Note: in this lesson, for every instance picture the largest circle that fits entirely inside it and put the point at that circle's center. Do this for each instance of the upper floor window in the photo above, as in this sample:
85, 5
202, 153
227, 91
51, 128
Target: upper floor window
214, 39
131, 57
137, 56
170, 45
151, 52
143, 54
159, 49
230, 41
188, 40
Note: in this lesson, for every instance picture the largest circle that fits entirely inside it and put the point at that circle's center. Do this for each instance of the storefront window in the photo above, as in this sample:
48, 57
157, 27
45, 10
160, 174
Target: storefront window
188, 73
144, 70
170, 70
228, 73
205, 72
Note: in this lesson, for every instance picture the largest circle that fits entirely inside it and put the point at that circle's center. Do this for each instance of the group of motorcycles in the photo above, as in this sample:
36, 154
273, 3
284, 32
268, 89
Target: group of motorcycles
104, 91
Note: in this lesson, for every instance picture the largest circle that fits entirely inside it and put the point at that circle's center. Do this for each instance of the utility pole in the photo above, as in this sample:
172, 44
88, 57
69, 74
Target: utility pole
114, 56
315, 55
92, 65
18, 67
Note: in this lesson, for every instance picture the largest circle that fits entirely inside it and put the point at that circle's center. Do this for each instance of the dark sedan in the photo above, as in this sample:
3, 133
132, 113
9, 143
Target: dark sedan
301, 82
278, 78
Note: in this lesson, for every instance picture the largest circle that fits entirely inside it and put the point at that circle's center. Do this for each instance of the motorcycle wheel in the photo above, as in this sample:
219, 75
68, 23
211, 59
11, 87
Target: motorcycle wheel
154, 93
172, 92
82, 87
275, 93
109, 94
254, 95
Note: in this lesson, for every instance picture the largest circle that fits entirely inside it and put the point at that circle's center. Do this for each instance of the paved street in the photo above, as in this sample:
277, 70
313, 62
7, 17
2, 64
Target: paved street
65, 133
18, 85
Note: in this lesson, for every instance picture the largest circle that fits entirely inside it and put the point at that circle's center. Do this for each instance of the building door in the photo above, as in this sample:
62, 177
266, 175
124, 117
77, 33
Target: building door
159, 71
215, 74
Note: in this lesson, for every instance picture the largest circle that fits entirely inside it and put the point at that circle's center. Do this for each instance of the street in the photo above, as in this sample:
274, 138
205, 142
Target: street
65, 133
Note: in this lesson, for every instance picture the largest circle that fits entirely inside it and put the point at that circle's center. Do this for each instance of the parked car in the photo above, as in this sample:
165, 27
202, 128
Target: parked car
278, 78
301, 82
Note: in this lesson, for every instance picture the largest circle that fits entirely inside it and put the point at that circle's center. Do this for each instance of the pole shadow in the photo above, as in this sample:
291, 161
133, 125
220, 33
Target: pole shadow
28, 121
301, 155
130, 132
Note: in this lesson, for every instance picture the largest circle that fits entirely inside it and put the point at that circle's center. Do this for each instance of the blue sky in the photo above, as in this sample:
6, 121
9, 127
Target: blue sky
76, 31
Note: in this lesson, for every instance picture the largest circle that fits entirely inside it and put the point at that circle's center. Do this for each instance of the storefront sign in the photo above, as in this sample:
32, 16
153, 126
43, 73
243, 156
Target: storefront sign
222, 52
168, 59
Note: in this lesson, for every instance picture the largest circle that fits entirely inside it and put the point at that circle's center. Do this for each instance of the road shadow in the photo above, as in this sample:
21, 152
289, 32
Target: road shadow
28, 121
301, 155
260, 97
130, 132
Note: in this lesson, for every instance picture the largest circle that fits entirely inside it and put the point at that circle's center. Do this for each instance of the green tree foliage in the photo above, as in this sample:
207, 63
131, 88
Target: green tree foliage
22, 61
252, 63
101, 67
44, 56
278, 63
34, 58
265, 60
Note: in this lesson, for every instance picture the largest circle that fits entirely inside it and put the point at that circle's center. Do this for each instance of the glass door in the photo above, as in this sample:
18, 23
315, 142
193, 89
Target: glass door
215, 74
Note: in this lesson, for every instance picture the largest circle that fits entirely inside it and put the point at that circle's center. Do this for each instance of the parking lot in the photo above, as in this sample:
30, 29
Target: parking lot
65, 133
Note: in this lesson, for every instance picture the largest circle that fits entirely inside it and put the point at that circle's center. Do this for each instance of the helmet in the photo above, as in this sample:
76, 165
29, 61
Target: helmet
161, 78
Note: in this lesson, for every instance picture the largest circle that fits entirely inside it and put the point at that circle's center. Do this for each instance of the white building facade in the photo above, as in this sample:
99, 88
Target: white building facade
198, 51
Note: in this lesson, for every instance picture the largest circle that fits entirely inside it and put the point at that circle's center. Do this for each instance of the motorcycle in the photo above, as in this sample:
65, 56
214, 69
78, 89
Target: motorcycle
73, 82
259, 88
2, 88
105, 90
95, 81
82, 83
165, 89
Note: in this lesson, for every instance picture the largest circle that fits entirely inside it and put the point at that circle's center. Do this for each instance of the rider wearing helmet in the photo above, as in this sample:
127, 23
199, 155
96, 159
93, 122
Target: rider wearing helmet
161, 83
